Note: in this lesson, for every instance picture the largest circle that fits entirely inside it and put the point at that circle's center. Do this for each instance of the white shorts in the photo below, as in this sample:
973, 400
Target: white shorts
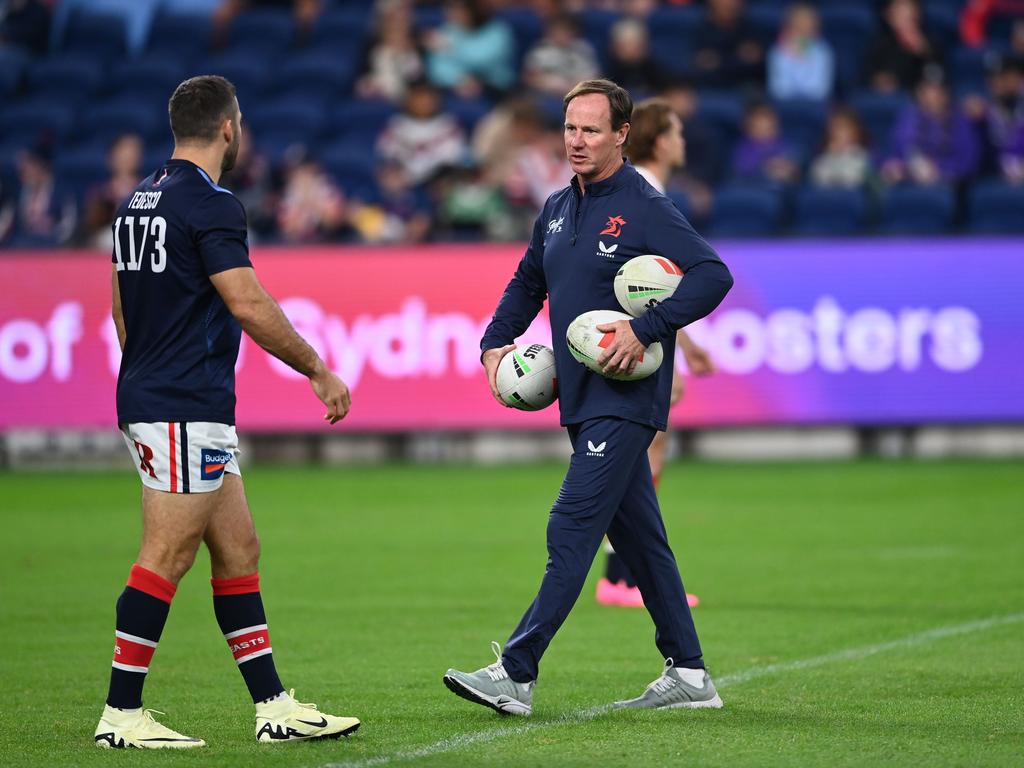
182, 457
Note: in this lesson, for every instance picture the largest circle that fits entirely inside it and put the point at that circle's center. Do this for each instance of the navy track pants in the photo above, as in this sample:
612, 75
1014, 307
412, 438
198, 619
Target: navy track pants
607, 489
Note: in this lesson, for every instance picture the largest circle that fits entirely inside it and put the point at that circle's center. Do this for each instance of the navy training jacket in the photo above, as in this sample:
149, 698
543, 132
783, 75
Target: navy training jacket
579, 242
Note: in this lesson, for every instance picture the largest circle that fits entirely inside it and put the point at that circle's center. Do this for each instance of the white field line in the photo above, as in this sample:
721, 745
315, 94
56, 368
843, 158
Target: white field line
738, 678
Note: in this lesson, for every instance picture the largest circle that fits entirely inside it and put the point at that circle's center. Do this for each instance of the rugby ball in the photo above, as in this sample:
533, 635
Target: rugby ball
526, 378
586, 344
645, 281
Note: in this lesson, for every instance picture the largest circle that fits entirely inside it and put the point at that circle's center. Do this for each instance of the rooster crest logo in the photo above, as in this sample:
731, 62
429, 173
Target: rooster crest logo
614, 226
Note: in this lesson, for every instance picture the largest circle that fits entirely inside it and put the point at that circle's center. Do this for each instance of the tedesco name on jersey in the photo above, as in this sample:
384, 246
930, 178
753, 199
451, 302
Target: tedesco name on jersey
144, 201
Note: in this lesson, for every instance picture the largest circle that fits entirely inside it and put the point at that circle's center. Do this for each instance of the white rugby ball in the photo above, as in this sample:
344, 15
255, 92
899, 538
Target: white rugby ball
586, 344
645, 281
526, 378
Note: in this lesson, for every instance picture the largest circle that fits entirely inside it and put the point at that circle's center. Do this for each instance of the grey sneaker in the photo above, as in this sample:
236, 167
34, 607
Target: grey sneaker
492, 687
670, 691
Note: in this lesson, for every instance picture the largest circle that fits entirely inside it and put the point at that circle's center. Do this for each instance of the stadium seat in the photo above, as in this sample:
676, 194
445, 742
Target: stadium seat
81, 169
941, 24
830, 211
13, 66
149, 80
996, 207
99, 125
849, 28
100, 36
269, 31
352, 167
27, 122
467, 111
360, 121
909, 209
802, 124
320, 74
746, 211
596, 26
70, 77
278, 125
526, 27
428, 17
345, 31
765, 20
967, 69
723, 111
879, 112
250, 71
179, 35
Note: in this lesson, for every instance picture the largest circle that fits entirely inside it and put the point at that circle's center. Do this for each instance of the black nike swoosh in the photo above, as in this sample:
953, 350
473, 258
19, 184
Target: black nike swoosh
321, 724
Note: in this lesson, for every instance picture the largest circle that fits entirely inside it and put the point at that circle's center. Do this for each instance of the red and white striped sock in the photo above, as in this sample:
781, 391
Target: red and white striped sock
141, 614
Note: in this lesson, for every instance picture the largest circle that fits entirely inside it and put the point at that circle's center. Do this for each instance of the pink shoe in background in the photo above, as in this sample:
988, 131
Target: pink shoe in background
692, 600
617, 593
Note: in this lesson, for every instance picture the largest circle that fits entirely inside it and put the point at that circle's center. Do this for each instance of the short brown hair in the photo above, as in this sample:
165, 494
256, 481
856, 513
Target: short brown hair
651, 118
199, 106
619, 100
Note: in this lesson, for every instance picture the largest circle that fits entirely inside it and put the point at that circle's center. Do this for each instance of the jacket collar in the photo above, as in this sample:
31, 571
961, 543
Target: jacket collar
606, 186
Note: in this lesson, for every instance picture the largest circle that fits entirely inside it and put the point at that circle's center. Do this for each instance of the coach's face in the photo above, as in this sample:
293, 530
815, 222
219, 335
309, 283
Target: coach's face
593, 148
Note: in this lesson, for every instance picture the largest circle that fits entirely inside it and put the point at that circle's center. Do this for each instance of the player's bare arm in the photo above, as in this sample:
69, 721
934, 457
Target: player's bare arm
490, 359
625, 350
115, 310
698, 359
261, 317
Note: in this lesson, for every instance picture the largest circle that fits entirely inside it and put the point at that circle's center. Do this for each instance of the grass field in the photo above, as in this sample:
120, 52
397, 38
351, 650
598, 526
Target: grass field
853, 614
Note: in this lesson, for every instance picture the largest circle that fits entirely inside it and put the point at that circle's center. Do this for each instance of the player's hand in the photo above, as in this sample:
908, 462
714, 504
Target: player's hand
490, 359
624, 352
333, 393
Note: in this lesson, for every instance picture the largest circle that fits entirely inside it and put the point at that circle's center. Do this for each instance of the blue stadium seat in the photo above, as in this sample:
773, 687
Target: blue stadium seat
321, 73
967, 69
249, 71
344, 31
81, 169
100, 36
941, 24
25, 123
428, 16
765, 22
73, 77
879, 112
360, 121
830, 211
269, 31
353, 168
151, 81
526, 27
467, 111
802, 124
596, 26
13, 66
746, 211
278, 125
99, 125
996, 207
849, 28
177, 35
917, 210
723, 111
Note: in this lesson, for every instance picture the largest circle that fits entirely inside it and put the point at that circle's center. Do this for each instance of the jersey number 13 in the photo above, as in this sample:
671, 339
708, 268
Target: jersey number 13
139, 231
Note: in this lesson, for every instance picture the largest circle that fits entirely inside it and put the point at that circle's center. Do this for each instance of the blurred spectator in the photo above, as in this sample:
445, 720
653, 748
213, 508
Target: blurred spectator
704, 149
421, 138
400, 214
37, 214
253, 182
312, 208
977, 13
1001, 119
844, 161
305, 13
762, 154
800, 64
901, 50
728, 53
468, 204
560, 60
124, 161
393, 59
630, 63
932, 142
471, 51
25, 24
656, 145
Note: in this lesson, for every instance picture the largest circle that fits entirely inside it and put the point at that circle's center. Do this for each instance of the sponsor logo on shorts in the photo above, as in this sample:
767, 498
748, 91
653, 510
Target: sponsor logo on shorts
213, 463
596, 450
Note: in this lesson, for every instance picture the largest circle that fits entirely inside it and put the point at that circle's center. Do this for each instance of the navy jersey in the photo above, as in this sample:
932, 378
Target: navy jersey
170, 235
579, 242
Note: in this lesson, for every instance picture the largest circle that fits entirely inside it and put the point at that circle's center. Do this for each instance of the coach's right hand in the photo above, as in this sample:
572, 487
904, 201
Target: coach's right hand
332, 392
490, 359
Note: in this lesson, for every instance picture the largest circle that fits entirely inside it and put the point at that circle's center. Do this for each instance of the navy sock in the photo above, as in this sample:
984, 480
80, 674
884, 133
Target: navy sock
239, 609
141, 614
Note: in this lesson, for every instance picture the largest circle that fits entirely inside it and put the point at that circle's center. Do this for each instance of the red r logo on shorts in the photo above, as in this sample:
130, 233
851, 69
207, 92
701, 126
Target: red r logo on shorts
145, 458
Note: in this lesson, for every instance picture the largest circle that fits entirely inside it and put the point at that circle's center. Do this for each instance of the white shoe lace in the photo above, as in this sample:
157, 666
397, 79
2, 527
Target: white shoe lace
496, 671
291, 695
665, 682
